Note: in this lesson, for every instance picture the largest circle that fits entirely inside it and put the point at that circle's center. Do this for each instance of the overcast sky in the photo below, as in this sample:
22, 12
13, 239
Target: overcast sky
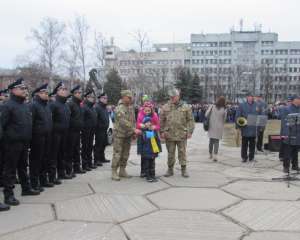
164, 20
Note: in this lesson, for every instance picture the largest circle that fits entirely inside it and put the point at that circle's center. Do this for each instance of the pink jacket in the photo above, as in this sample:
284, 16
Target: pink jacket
154, 120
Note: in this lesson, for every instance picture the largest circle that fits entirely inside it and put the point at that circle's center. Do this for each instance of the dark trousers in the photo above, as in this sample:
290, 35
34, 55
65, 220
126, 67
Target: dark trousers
248, 143
259, 142
87, 140
290, 154
281, 155
73, 151
149, 167
15, 159
46, 166
100, 144
1, 163
143, 159
57, 154
37, 158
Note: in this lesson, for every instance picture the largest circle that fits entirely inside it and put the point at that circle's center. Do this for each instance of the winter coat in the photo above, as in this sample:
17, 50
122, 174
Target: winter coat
244, 110
60, 114
144, 146
102, 117
217, 119
285, 130
16, 120
154, 120
76, 118
41, 116
89, 115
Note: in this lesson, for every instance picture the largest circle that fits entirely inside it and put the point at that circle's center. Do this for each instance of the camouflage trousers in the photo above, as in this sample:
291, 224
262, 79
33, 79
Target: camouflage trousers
121, 149
181, 147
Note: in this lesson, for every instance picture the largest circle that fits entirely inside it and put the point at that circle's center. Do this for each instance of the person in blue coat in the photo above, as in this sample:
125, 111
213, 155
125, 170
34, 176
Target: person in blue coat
290, 146
249, 107
263, 108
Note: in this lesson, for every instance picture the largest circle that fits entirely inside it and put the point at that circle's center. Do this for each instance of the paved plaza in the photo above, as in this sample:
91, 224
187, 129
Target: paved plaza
227, 200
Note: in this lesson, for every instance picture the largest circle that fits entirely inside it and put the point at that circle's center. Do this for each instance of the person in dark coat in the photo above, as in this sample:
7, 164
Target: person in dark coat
3, 98
41, 130
88, 131
248, 132
16, 121
61, 122
263, 108
101, 130
3, 207
149, 147
290, 147
73, 164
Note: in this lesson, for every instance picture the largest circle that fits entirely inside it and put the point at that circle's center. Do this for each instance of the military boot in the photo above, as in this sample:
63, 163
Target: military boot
4, 207
169, 173
184, 172
123, 173
9, 198
114, 175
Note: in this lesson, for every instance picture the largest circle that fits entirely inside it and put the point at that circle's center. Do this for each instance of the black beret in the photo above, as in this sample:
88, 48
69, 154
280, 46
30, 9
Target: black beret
102, 95
76, 88
44, 87
59, 85
18, 83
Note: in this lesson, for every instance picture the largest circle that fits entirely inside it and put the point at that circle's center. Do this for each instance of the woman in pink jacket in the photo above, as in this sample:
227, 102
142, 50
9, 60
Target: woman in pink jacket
147, 110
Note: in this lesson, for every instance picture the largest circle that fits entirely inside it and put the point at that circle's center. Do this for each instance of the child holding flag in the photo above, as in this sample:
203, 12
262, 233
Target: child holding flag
149, 147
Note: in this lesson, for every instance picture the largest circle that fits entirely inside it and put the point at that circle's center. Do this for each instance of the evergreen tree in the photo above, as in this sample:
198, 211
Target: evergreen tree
183, 83
195, 89
113, 86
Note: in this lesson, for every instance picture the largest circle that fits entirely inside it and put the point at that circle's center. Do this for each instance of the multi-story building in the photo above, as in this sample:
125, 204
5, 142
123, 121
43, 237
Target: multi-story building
228, 64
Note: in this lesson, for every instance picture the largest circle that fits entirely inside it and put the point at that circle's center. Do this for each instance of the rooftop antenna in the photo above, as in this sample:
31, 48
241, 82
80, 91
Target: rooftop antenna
241, 24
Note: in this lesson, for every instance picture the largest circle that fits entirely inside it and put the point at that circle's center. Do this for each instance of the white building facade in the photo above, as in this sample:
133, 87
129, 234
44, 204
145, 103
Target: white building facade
228, 64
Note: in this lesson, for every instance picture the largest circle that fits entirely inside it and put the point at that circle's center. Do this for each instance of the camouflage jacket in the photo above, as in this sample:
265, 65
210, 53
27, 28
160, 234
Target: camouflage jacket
176, 121
124, 125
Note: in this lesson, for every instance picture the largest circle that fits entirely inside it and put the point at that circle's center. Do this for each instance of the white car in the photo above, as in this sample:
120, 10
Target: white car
110, 132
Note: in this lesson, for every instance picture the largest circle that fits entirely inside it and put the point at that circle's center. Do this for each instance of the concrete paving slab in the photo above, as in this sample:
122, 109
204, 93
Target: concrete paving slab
197, 179
263, 190
252, 173
273, 236
68, 230
24, 216
265, 215
135, 186
104, 208
179, 225
192, 199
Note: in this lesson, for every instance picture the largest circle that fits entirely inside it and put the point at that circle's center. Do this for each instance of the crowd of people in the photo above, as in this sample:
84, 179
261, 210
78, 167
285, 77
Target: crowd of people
50, 138
60, 133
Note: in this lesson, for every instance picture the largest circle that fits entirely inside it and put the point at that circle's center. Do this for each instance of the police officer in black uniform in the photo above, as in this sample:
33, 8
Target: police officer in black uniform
101, 129
16, 123
88, 131
3, 207
76, 123
61, 121
41, 129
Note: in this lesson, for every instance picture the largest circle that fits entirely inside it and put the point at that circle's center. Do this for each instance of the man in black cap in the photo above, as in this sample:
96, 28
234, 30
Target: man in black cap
76, 123
101, 129
16, 122
88, 131
61, 122
41, 129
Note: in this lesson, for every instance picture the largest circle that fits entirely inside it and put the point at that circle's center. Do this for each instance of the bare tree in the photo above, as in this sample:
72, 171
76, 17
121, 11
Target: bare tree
80, 30
49, 38
98, 48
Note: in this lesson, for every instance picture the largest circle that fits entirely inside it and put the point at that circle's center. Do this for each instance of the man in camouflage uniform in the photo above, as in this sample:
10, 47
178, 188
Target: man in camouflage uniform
177, 125
124, 131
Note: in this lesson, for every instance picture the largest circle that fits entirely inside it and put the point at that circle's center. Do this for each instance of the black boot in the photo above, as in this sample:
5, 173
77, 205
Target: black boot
45, 183
9, 198
4, 207
30, 192
79, 170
